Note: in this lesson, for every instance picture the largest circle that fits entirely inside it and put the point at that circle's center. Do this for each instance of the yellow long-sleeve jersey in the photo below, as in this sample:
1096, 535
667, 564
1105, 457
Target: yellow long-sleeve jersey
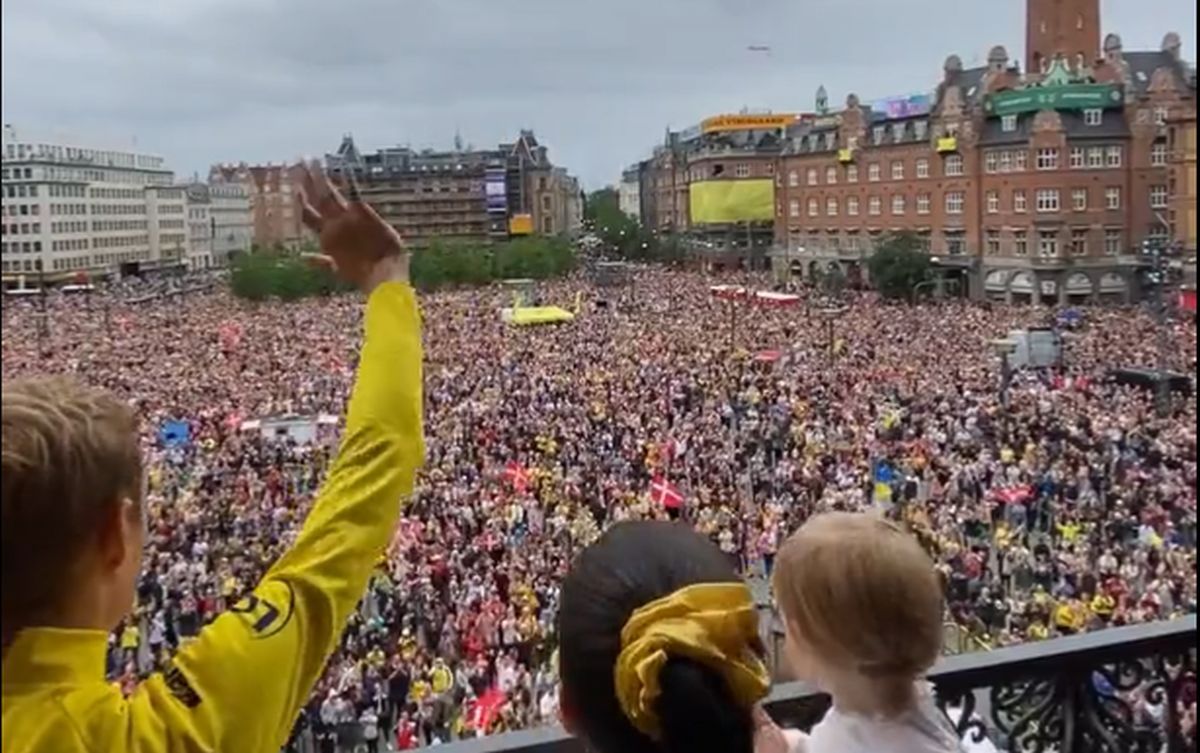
239, 686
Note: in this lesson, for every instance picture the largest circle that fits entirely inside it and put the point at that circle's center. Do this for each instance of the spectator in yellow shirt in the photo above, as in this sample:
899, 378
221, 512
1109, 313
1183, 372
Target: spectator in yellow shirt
73, 508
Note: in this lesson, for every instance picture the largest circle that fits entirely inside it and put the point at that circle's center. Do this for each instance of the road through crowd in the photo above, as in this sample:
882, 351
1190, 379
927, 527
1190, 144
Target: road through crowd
1071, 509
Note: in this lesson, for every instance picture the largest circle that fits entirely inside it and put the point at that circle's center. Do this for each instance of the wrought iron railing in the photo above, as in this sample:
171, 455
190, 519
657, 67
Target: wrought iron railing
1122, 690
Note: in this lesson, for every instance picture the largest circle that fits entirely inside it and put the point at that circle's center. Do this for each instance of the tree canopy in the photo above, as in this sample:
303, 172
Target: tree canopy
624, 237
898, 265
277, 273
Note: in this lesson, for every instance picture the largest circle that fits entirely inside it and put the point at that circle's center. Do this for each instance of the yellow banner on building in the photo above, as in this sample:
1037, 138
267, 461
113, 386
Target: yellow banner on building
719, 123
520, 224
719, 201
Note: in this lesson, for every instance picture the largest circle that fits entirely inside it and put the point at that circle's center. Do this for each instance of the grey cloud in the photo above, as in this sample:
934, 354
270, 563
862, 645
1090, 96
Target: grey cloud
210, 80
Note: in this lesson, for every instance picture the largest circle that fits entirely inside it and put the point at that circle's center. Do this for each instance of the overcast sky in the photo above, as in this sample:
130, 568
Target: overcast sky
201, 81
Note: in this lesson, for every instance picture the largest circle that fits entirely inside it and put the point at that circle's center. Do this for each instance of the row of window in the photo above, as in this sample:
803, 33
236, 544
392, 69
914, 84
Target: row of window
24, 228
952, 166
20, 210
20, 191
115, 193
121, 241
21, 247
1046, 200
110, 158
996, 243
66, 192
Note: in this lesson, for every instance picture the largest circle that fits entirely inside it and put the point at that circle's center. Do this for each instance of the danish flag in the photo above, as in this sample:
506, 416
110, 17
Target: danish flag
516, 475
665, 493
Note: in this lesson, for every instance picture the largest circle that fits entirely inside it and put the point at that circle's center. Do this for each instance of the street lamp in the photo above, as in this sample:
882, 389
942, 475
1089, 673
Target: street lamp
830, 315
1004, 348
1158, 253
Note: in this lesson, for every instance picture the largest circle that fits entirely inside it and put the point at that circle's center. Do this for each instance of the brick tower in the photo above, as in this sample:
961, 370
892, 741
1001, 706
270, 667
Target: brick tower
1066, 28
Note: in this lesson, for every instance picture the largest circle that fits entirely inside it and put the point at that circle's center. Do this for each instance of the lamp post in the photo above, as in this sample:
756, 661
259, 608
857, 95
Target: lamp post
830, 315
1004, 348
1157, 254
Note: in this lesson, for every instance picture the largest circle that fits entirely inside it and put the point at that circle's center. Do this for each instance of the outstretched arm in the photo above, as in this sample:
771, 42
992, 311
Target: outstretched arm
242, 682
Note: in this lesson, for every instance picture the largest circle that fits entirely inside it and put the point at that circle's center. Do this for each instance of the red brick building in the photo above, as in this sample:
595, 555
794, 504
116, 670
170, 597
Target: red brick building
273, 202
1036, 185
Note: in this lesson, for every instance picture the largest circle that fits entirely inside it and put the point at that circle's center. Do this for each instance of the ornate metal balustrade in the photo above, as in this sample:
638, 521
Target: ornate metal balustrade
1122, 690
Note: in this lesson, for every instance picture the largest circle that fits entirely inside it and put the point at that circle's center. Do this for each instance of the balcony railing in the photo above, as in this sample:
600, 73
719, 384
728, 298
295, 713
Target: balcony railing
1121, 690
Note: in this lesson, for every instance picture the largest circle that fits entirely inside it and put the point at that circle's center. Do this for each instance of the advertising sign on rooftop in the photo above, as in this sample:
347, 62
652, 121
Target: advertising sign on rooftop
906, 106
1065, 97
748, 122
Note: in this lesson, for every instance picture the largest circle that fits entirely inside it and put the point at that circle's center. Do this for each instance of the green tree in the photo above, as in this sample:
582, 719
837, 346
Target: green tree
899, 265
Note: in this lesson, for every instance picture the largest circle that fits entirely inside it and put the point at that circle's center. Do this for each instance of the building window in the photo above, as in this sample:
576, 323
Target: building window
1079, 242
793, 179
1093, 117
1006, 161
1048, 200
874, 206
852, 206
955, 200
922, 168
877, 134
990, 162
1095, 157
1158, 197
898, 203
830, 140
1158, 154
831, 207
992, 243
923, 202
956, 244
851, 173
741, 170
1047, 159
1020, 243
794, 208
897, 170
993, 202
831, 175
814, 207
1048, 244
770, 168
873, 172
852, 242
920, 130
1077, 158
1112, 156
897, 132
954, 165
1112, 242
812, 176
1020, 161
1008, 123
1079, 199
1112, 197
1160, 115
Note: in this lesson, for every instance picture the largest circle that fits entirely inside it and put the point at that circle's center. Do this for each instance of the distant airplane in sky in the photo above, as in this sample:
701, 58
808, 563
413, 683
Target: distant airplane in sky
758, 48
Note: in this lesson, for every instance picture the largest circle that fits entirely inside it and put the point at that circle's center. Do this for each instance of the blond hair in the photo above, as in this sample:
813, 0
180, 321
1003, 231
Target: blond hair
69, 451
861, 593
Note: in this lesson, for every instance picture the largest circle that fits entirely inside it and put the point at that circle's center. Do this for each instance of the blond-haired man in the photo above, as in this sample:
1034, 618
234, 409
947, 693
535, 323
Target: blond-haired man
73, 535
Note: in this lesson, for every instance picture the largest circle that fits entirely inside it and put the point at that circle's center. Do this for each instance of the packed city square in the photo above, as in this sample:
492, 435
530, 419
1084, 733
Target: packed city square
1068, 507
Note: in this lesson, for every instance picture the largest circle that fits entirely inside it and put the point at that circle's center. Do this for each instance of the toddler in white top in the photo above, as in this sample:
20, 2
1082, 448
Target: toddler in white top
863, 610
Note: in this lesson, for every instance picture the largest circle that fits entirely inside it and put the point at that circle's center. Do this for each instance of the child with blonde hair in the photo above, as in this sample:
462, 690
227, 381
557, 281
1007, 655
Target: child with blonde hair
863, 608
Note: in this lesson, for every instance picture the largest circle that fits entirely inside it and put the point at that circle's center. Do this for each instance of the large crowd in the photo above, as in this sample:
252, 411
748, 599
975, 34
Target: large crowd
1067, 507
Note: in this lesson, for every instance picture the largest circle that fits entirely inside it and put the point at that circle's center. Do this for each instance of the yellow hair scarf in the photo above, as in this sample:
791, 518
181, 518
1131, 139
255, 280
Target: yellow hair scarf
714, 624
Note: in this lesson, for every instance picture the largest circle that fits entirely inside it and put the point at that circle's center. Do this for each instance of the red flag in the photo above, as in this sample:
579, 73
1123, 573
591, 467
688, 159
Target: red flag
486, 709
665, 493
516, 475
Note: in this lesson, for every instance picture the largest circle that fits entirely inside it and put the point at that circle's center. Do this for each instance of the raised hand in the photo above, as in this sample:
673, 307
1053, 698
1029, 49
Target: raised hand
355, 241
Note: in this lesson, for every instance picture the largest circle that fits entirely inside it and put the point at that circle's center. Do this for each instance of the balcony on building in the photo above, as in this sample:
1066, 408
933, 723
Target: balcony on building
1091, 693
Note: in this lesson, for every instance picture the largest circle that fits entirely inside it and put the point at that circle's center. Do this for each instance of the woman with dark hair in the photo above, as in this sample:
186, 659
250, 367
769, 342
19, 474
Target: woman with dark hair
659, 646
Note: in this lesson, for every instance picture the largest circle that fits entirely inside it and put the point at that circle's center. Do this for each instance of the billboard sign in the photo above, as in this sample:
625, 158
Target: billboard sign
728, 201
495, 188
907, 106
1064, 97
720, 123
520, 224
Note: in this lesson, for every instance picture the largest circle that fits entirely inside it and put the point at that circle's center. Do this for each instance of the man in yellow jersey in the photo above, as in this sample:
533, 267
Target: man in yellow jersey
73, 533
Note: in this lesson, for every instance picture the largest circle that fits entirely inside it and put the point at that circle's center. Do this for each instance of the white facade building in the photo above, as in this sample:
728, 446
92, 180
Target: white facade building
200, 229
629, 194
232, 221
70, 207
